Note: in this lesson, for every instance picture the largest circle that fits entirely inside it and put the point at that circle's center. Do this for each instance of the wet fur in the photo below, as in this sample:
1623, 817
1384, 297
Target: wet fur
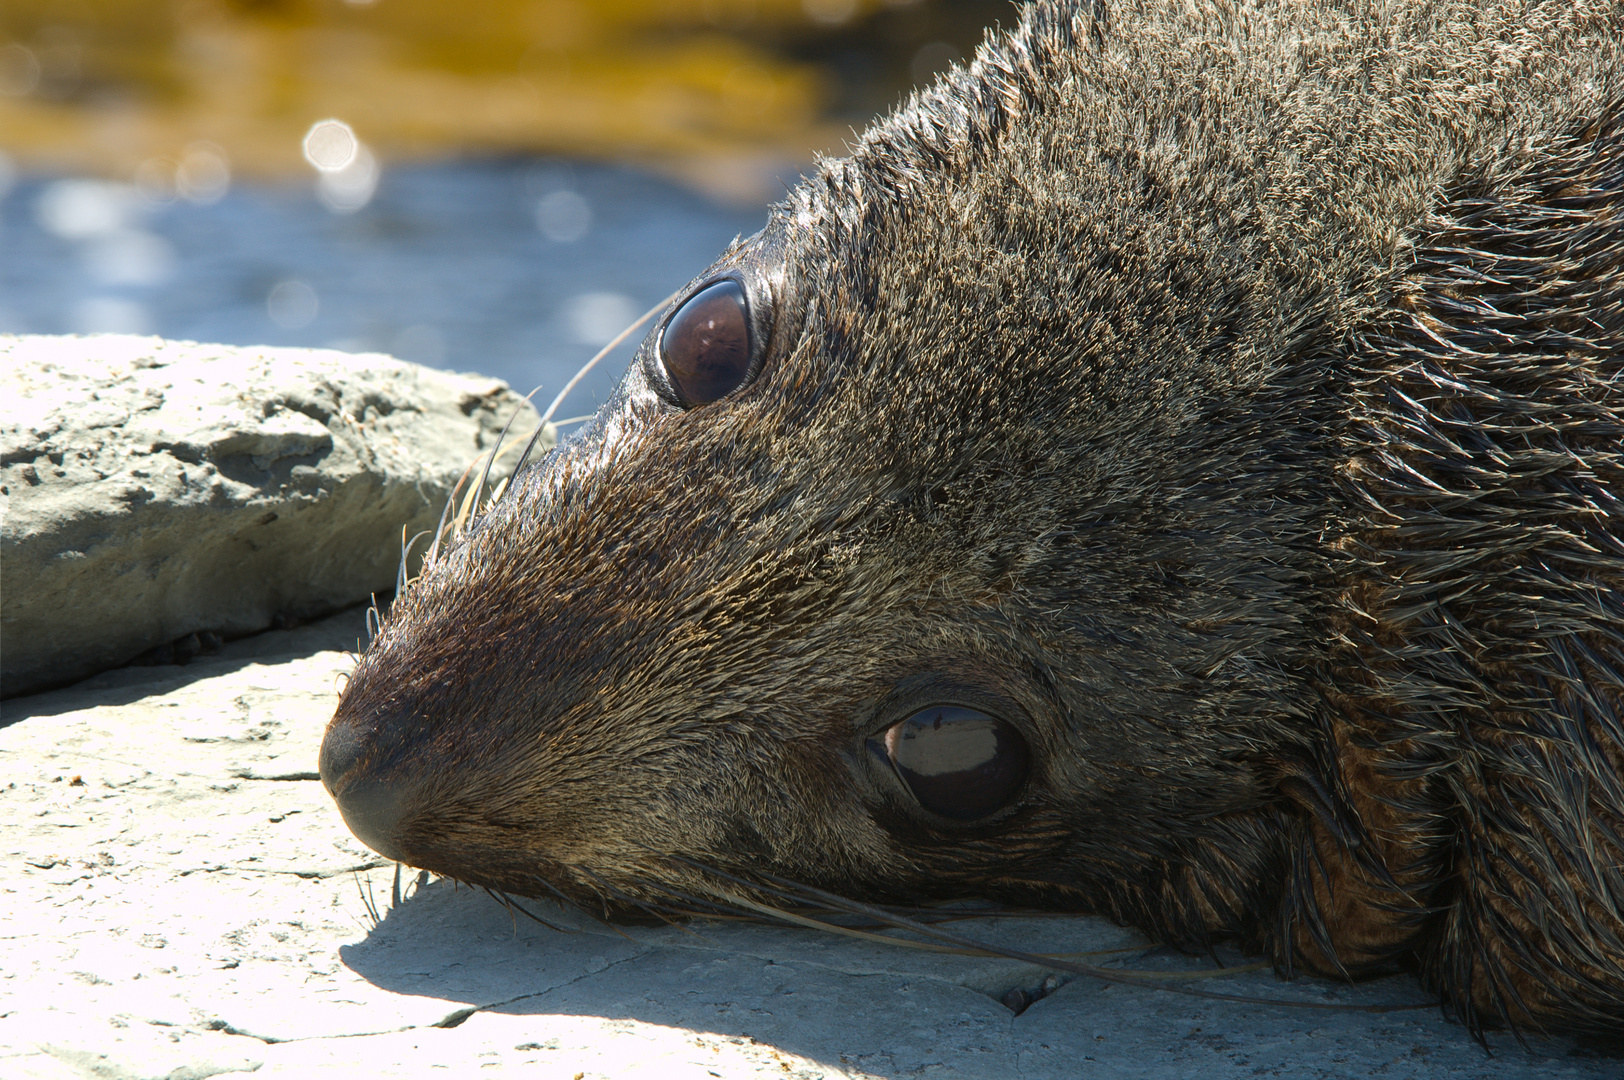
1236, 393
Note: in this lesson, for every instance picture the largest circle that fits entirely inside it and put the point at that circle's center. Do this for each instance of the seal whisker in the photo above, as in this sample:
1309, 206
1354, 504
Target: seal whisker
774, 914
368, 901
565, 900
445, 516
511, 904
547, 416
405, 556
496, 448
631, 901
603, 352
1158, 979
502, 898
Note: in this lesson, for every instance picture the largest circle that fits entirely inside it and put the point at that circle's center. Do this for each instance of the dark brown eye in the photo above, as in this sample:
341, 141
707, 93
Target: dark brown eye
706, 346
957, 762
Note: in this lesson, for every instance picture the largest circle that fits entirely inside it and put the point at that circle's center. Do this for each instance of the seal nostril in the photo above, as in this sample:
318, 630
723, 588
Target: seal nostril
371, 807
340, 748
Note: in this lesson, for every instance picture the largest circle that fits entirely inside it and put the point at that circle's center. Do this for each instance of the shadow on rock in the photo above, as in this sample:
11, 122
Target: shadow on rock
821, 996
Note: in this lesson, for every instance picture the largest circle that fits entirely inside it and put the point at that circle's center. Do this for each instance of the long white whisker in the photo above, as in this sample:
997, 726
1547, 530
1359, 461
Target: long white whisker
603, 352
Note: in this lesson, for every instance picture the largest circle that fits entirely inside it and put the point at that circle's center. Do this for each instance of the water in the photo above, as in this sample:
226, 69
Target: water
518, 269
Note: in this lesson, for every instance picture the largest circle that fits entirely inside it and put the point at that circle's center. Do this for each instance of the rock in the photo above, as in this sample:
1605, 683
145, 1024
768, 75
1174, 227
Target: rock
181, 899
152, 489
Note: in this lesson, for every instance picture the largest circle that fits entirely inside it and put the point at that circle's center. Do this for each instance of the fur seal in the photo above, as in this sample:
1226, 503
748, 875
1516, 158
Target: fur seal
1171, 470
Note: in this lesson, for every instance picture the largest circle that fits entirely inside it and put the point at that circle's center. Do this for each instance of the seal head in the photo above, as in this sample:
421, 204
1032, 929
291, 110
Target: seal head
1169, 470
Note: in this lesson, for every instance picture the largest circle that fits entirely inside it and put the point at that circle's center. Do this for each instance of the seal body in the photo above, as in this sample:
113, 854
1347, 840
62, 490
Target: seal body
1171, 470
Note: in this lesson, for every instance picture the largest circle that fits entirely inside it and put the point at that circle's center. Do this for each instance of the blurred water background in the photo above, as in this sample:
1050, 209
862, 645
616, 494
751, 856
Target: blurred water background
487, 185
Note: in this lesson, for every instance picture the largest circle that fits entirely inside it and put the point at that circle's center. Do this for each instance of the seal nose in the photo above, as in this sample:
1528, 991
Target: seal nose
371, 806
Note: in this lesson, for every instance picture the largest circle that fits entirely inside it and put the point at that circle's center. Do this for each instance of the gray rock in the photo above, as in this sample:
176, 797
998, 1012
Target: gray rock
181, 899
153, 489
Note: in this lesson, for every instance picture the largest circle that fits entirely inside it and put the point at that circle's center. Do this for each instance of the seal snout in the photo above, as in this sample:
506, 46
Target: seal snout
372, 805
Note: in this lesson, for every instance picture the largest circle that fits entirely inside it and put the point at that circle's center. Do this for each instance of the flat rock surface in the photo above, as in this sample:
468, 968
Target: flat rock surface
182, 900
152, 489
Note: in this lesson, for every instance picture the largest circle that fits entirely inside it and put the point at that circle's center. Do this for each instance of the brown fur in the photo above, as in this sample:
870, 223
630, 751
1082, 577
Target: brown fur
1230, 394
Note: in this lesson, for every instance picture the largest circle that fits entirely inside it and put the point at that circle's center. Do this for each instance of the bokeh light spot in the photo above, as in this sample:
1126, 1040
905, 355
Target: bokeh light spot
204, 174
84, 209
8, 174
292, 304
130, 257
155, 179
346, 190
829, 12
331, 145
595, 318
110, 315
19, 71
563, 216
419, 344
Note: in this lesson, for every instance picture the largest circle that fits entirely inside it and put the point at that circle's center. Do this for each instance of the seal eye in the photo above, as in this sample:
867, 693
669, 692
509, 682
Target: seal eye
706, 345
958, 762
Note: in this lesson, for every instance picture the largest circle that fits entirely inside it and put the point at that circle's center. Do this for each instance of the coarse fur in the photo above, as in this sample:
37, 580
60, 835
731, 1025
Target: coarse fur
1230, 395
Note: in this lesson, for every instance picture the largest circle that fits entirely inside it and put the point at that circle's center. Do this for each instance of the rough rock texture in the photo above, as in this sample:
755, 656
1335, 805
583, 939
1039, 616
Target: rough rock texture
152, 489
181, 899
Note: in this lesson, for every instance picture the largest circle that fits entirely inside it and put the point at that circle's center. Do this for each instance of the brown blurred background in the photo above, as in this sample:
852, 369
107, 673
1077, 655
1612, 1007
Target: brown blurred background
722, 92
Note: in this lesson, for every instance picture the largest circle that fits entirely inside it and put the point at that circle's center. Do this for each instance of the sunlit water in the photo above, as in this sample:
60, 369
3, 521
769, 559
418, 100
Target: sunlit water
518, 269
